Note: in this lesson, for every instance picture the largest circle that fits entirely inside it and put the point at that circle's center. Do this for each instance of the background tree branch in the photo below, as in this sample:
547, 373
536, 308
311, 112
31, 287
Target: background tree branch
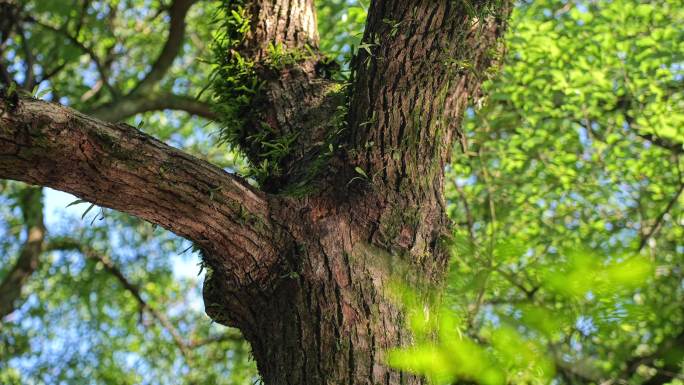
64, 244
134, 104
676, 148
141, 98
174, 41
101, 68
29, 60
28, 261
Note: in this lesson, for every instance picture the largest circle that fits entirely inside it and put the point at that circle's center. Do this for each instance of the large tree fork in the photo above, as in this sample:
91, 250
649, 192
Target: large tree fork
304, 277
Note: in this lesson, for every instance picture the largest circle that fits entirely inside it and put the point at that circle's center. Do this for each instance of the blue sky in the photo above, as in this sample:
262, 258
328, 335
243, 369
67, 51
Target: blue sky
56, 211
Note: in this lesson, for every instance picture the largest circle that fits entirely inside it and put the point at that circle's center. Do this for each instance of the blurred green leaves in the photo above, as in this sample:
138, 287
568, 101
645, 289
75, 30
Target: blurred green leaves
566, 203
510, 348
584, 273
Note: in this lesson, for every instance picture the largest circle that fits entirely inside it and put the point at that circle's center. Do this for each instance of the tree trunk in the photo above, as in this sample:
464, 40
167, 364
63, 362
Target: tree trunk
329, 318
378, 215
304, 275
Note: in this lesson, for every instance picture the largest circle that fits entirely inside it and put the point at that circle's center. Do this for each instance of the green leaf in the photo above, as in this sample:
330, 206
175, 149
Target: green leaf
76, 202
87, 210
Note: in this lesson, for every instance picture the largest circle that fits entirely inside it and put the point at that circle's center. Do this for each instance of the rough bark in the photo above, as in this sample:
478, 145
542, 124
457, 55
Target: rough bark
425, 62
293, 100
330, 320
304, 277
117, 166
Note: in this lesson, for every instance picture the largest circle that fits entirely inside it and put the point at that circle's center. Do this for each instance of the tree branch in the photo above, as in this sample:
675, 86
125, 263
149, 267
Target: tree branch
625, 103
117, 166
134, 104
420, 63
174, 42
52, 72
227, 336
140, 99
29, 60
161, 317
32, 211
5, 77
73, 244
294, 102
676, 148
661, 216
669, 351
102, 70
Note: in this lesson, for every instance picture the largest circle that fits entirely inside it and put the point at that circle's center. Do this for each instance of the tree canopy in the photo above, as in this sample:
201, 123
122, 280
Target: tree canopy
565, 195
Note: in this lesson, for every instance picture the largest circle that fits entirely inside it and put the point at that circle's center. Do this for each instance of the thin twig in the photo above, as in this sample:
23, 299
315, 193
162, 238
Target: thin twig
660, 218
469, 214
112, 269
73, 244
5, 77
215, 339
88, 50
79, 25
29, 60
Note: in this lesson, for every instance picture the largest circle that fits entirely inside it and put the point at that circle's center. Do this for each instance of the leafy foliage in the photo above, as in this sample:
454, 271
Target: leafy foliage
567, 200
567, 252
235, 81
